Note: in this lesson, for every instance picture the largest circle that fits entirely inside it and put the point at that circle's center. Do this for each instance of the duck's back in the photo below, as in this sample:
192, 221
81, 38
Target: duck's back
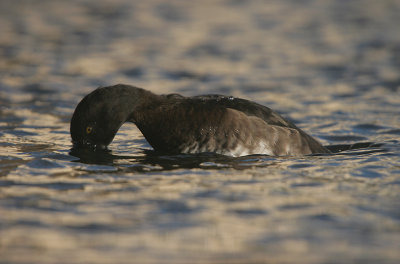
220, 124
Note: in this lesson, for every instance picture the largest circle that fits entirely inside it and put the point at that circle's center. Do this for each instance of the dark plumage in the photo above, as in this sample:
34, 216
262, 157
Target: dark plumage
176, 124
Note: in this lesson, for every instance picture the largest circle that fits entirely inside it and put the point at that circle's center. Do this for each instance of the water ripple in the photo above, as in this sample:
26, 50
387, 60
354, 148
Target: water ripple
330, 66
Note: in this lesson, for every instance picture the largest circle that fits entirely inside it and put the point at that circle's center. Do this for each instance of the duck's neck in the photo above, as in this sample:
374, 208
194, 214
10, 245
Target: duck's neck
131, 102
122, 103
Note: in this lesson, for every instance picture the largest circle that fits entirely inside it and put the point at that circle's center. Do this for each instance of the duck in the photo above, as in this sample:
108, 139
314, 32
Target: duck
176, 124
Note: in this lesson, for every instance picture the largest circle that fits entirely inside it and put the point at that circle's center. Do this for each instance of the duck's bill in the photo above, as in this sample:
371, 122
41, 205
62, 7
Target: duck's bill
89, 146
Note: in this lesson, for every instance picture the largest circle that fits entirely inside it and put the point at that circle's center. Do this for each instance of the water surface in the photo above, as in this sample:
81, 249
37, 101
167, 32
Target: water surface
333, 67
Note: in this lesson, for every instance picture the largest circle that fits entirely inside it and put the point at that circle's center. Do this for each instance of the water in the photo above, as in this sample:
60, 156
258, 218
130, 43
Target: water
333, 67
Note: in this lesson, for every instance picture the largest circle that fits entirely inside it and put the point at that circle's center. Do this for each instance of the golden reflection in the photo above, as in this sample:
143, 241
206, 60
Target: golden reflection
332, 66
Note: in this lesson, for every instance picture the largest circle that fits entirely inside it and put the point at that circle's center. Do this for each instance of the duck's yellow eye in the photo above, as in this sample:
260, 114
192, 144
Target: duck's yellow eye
89, 129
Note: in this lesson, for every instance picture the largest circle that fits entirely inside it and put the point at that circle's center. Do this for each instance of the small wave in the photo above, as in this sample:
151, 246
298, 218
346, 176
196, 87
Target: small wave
356, 148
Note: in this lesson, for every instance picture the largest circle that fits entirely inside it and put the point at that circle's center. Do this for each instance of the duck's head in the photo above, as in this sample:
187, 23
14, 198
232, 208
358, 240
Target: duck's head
91, 124
100, 114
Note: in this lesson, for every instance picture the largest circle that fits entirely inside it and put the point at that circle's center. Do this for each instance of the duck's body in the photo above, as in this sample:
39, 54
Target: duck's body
177, 124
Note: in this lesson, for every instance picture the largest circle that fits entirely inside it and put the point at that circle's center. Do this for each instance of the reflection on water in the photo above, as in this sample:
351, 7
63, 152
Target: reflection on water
333, 67
155, 161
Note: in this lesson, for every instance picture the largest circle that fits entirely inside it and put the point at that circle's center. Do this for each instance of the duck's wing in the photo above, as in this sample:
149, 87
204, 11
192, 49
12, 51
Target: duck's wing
249, 108
216, 123
269, 116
